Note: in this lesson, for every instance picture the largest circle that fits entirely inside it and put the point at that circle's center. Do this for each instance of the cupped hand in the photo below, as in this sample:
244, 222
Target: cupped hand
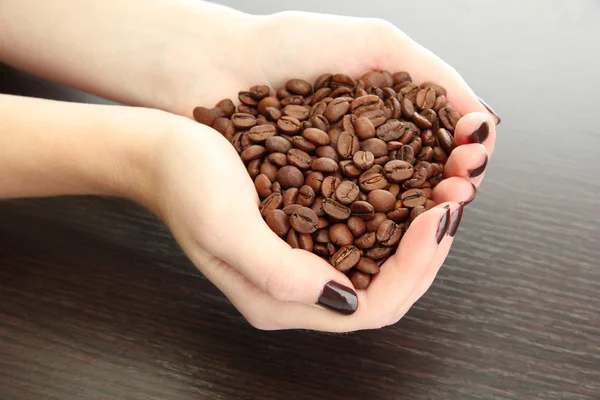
210, 203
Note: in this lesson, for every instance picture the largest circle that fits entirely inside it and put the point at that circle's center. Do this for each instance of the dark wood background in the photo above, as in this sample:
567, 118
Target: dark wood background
98, 302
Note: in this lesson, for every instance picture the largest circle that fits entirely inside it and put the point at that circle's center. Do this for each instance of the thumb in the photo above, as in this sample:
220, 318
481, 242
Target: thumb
286, 274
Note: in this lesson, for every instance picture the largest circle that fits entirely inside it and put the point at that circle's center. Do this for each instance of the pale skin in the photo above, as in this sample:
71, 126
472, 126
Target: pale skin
165, 58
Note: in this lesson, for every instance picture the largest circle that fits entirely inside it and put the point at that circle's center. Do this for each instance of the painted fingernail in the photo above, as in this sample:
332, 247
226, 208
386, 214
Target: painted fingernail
475, 191
474, 173
456, 217
444, 222
338, 298
480, 134
490, 110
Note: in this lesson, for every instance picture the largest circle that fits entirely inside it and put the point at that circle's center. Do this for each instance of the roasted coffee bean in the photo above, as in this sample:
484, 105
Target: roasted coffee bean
436, 179
336, 109
207, 116
408, 109
364, 128
273, 202
278, 222
348, 123
334, 134
372, 181
314, 179
417, 145
421, 121
417, 180
365, 103
247, 99
335, 209
398, 171
440, 103
275, 114
253, 152
306, 242
398, 215
374, 79
346, 258
320, 122
408, 137
244, 109
439, 155
293, 100
338, 80
378, 252
277, 144
391, 130
316, 136
400, 77
329, 186
377, 117
425, 98
322, 236
449, 117
320, 94
366, 241
363, 159
393, 104
360, 280
262, 183
413, 198
432, 117
306, 196
304, 220
289, 125
270, 101
349, 169
409, 92
357, 226
292, 239
416, 212
302, 144
299, 86
254, 168
296, 111
347, 192
406, 153
341, 91
327, 151
276, 187
225, 127
290, 176
376, 169
429, 204
347, 145
389, 233
341, 235
317, 207
373, 224
426, 154
438, 89
243, 121
324, 164
375, 146
322, 81
323, 223
261, 133
290, 196
428, 138
446, 140
227, 106
299, 158
382, 200
321, 250
367, 266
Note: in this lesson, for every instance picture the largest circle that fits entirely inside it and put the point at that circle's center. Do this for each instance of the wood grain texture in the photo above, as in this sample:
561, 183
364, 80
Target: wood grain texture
97, 301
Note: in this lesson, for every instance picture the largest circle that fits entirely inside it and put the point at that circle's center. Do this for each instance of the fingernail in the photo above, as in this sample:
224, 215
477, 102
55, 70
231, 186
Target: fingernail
490, 110
475, 191
474, 173
456, 217
480, 134
338, 298
443, 228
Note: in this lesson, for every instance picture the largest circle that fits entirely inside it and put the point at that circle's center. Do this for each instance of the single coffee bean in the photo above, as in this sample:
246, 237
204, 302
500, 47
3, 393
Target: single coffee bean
225, 127
254, 168
302, 144
416, 212
348, 123
421, 121
304, 220
438, 89
322, 236
429, 204
273, 202
408, 137
363, 159
207, 116
341, 235
408, 109
338, 80
406, 153
325, 164
243, 121
306, 242
320, 122
292, 239
372, 181
432, 117
278, 222
227, 106
299, 158
321, 250
336, 109
389, 233
360, 280
290, 176
377, 117
375, 146
346, 258
334, 134
335, 209
347, 192
367, 266
306, 196
398, 171
364, 128
446, 140
400, 77
436, 179
290, 196
377, 220
259, 92
349, 169
253, 152
273, 113
364, 103
440, 103
269, 170
289, 125
270, 101
382, 200
428, 138
398, 215
378, 252
374, 79
323, 223
263, 186
316, 136
293, 100
276, 187
426, 154
410, 92
362, 210
449, 117
296, 111
322, 81
299, 86
291, 209
261, 133
381, 161
244, 109
366, 241
329, 186
317, 207
439, 155
356, 225
395, 107
417, 180
347, 145
314, 179
391, 130
425, 98
329, 152
247, 99
321, 94
277, 144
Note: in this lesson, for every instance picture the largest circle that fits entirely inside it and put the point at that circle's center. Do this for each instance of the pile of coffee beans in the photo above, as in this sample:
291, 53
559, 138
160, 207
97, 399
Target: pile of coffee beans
342, 166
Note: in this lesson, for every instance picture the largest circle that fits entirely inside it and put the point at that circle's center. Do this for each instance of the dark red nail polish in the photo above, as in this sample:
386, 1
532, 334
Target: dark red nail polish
338, 298
480, 134
490, 110
479, 170
444, 222
456, 217
475, 191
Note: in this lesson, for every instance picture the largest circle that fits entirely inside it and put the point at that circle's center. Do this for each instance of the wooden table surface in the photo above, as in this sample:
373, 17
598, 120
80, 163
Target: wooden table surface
98, 302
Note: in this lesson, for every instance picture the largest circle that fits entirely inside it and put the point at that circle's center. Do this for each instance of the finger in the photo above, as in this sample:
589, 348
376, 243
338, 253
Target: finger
476, 128
454, 189
400, 274
468, 161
